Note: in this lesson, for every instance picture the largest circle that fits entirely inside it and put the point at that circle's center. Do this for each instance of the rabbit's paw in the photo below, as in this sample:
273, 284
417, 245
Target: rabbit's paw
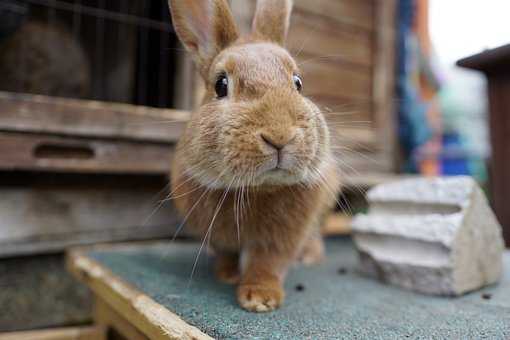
260, 297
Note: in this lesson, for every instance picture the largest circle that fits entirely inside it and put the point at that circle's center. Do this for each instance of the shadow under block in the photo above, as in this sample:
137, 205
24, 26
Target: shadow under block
151, 286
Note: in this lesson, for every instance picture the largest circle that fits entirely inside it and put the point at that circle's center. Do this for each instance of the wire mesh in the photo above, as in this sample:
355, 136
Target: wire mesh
115, 50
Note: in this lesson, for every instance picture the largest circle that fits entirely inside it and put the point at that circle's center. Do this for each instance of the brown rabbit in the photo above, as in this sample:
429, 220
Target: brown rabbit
40, 58
254, 172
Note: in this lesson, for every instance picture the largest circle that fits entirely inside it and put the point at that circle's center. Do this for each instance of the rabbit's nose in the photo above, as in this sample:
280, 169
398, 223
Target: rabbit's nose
277, 142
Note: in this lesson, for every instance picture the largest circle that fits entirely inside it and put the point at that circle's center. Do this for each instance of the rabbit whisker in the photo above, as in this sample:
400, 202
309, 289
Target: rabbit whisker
332, 191
346, 165
209, 230
161, 202
324, 57
183, 121
208, 189
237, 211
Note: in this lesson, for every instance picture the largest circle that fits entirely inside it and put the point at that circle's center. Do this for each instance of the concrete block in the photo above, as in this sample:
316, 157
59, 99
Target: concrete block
431, 235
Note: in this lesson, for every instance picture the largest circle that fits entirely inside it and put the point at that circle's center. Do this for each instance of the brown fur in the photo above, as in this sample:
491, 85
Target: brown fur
272, 19
256, 217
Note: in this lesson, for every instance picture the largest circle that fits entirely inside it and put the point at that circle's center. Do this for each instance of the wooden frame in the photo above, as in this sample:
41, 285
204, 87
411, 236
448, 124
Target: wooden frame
384, 107
86, 136
71, 333
131, 147
494, 63
89, 119
50, 219
129, 305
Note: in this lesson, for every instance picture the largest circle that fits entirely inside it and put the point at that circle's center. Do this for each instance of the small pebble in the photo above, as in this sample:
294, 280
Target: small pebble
342, 271
300, 287
486, 296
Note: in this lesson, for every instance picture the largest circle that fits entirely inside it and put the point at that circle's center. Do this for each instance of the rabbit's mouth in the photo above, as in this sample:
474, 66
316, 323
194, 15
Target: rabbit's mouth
279, 162
282, 167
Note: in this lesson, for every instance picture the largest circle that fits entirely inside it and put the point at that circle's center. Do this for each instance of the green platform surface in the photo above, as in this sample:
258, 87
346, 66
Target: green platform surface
331, 305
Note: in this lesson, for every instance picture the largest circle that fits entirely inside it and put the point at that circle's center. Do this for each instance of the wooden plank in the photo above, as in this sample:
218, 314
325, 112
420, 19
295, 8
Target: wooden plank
151, 318
354, 139
48, 219
64, 154
499, 120
352, 14
384, 110
184, 83
323, 78
356, 164
346, 112
489, 61
495, 64
311, 36
355, 13
62, 116
108, 318
72, 333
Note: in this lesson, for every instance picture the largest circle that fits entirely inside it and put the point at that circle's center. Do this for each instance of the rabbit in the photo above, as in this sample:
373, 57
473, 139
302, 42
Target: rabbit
253, 173
40, 58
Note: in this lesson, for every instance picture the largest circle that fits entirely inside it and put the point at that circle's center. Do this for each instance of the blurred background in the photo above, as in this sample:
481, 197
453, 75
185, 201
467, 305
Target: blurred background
94, 95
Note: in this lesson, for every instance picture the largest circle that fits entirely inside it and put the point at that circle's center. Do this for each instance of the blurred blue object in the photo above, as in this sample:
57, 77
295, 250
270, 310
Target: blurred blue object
414, 128
452, 162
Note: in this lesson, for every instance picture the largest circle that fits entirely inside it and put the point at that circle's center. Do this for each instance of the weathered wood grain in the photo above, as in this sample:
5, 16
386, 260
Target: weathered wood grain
323, 78
312, 36
71, 333
108, 318
40, 152
49, 219
383, 85
352, 13
495, 63
85, 118
149, 317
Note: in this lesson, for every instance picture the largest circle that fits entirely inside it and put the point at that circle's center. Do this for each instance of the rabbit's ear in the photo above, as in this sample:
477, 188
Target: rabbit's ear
272, 19
205, 27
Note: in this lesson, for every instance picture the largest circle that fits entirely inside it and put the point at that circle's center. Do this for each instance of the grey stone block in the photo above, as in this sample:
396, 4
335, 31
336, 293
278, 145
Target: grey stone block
431, 235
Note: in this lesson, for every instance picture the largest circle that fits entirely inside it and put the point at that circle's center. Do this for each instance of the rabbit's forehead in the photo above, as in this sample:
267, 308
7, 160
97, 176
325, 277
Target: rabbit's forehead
257, 60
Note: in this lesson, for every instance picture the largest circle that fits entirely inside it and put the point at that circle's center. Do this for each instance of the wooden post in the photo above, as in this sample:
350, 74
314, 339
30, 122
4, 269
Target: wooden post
495, 64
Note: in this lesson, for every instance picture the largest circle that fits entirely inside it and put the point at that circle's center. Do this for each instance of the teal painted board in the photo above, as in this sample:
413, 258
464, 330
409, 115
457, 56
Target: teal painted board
329, 301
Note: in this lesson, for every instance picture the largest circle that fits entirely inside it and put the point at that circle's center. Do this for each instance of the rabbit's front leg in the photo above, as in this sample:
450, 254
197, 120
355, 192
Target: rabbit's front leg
261, 286
227, 267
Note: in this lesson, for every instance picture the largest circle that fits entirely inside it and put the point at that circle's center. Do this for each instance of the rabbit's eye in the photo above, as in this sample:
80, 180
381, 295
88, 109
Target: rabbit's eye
221, 86
298, 82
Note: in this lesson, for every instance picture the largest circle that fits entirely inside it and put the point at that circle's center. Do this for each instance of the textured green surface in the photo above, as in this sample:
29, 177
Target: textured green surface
331, 306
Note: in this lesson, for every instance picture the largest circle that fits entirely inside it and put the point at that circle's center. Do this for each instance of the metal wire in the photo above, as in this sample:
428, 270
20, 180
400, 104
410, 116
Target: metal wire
142, 62
163, 74
99, 50
105, 14
76, 19
126, 42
